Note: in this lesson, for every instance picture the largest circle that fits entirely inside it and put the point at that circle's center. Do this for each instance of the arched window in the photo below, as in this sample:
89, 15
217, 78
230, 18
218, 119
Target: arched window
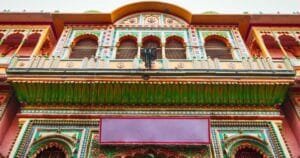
10, 44
255, 49
217, 47
272, 47
152, 42
29, 45
248, 153
175, 48
84, 46
52, 152
290, 45
127, 48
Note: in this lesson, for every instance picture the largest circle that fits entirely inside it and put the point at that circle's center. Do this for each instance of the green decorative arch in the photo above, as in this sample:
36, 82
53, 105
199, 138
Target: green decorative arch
123, 34
157, 34
177, 34
215, 33
86, 32
65, 143
220, 37
232, 144
83, 36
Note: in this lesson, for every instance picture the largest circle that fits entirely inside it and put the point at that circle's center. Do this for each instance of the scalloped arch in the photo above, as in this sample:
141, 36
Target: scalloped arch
218, 37
151, 19
151, 37
83, 36
64, 143
151, 6
128, 34
176, 37
233, 144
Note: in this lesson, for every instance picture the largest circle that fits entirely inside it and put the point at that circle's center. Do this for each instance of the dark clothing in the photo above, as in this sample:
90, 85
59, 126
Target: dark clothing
149, 54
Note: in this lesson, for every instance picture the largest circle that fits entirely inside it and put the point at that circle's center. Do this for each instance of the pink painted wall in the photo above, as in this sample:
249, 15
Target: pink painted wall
26, 51
10, 137
6, 123
290, 139
292, 120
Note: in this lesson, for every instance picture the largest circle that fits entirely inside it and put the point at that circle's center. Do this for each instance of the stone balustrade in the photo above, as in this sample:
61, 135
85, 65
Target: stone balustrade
246, 65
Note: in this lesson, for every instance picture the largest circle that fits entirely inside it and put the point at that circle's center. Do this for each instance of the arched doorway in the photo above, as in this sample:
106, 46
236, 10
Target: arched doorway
150, 153
84, 46
127, 48
245, 146
175, 48
52, 146
217, 47
248, 153
52, 152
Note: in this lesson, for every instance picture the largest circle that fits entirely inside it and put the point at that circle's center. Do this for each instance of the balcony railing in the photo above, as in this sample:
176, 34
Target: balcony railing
246, 66
4, 61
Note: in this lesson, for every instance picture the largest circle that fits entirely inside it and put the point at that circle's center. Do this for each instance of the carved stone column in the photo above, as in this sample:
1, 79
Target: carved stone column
4, 37
187, 52
163, 50
138, 56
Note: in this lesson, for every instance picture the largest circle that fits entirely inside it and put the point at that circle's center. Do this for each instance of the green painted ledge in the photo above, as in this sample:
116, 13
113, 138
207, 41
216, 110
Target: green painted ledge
143, 93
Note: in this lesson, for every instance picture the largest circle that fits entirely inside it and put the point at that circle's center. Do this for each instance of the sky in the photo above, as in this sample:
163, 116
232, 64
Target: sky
194, 6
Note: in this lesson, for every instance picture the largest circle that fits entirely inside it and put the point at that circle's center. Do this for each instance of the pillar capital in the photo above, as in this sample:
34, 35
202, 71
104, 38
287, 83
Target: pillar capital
139, 44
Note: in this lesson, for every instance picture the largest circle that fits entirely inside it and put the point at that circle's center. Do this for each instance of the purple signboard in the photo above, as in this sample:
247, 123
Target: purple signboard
169, 131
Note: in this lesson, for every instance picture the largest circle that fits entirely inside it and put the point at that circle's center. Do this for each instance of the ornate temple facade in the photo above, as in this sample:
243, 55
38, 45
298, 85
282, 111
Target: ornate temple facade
149, 80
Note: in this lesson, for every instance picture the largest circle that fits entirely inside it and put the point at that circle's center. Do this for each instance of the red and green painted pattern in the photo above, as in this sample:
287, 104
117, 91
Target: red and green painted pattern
150, 93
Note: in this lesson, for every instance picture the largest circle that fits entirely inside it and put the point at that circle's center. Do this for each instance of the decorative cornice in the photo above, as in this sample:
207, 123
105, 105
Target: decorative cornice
149, 93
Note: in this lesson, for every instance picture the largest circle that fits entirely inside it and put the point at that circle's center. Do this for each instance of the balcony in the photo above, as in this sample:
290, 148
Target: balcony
56, 65
42, 80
